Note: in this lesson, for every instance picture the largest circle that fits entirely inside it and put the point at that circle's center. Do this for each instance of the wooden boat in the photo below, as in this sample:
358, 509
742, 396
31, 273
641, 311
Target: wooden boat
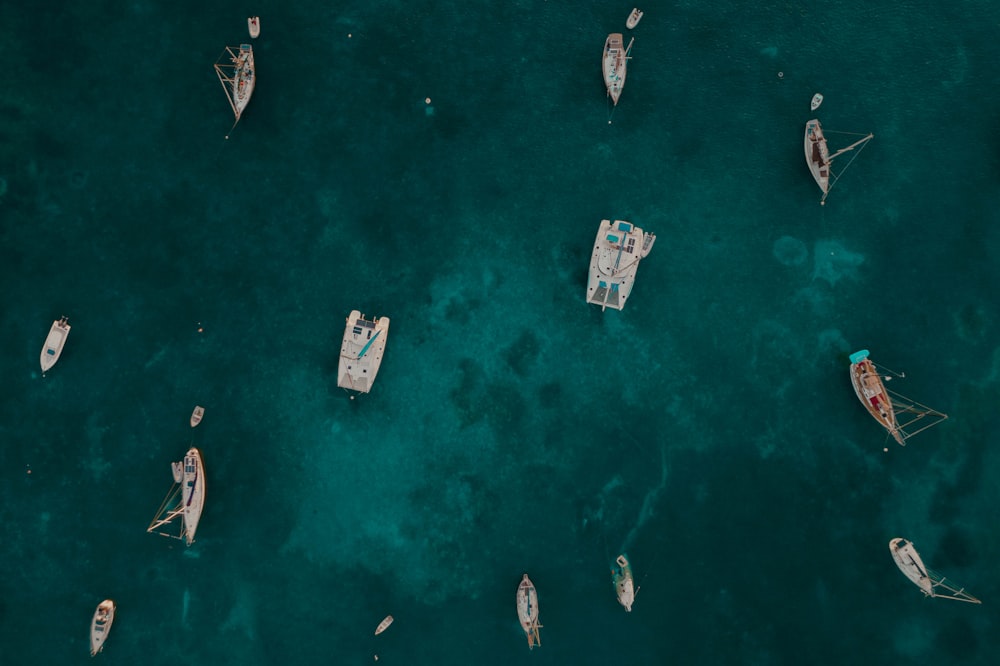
527, 611
816, 101
898, 414
238, 77
621, 576
197, 415
633, 18
930, 583
615, 65
618, 248
253, 26
819, 159
361, 351
184, 501
54, 343
100, 625
383, 625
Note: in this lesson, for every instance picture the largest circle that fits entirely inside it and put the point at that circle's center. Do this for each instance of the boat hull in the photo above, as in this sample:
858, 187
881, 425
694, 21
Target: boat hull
633, 18
816, 101
361, 351
527, 611
197, 415
618, 248
868, 386
54, 343
383, 625
624, 584
908, 560
615, 66
192, 492
817, 155
253, 26
100, 625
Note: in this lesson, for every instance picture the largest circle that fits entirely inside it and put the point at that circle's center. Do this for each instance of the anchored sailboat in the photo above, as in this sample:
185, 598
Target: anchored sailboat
184, 501
820, 160
615, 65
900, 416
621, 576
238, 77
930, 583
527, 611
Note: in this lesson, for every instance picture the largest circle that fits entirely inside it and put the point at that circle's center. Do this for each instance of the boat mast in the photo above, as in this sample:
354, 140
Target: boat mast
850, 147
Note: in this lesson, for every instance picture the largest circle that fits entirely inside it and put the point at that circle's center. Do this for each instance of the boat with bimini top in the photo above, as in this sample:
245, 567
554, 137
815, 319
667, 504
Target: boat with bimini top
527, 611
238, 77
54, 342
615, 65
613, 265
900, 416
932, 584
100, 625
818, 156
182, 506
621, 576
361, 351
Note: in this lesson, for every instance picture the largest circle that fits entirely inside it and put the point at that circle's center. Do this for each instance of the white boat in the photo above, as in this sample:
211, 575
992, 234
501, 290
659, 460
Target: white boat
54, 343
253, 25
100, 626
633, 18
820, 160
617, 251
197, 415
181, 508
621, 576
816, 101
900, 416
615, 65
527, 611
361, 352
238, 77
930, 583
383, 625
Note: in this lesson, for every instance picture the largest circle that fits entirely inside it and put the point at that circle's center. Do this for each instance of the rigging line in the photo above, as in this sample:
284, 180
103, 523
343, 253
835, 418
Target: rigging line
853, 157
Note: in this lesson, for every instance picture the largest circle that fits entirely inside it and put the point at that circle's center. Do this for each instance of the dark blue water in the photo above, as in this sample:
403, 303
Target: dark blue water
709, 429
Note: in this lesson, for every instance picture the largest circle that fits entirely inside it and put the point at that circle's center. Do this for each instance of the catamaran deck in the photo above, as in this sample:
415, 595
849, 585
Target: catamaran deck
613, 265
361, 352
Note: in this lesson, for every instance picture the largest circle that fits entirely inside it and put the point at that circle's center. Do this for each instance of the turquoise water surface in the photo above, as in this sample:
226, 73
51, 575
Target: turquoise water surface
709, 429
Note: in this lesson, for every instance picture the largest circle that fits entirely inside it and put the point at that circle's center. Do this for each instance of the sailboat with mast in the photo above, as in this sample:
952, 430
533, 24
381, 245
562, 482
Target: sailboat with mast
181, 508
932, 584
820, 160
527, 611
900, 416
615, 65
618, 248
238, 77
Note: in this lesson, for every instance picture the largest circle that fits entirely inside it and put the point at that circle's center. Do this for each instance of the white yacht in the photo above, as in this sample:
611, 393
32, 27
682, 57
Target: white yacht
238, 77
621, 576
100, 625
617, 251
181, 508
614, 64
361, 351
527, 611
54, 343
931, 583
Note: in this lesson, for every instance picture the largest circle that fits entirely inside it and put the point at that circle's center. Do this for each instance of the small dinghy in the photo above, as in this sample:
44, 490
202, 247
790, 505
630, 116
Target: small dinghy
54, 343
633, 18
100, 626
816, 101
253, 25
383, 625
197, 415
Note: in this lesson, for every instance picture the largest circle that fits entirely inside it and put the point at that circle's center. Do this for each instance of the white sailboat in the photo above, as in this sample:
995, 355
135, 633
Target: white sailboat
100, 625
613, 265
527, 611
615, 65
54, 343
182, 506
361, 351
900, 416
238, 77
383, 625
819, 159
930, 583
621, 576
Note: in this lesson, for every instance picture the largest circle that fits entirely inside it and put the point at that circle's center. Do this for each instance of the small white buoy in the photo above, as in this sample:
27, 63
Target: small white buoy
885, 450
348, 35
781, 75
427, 100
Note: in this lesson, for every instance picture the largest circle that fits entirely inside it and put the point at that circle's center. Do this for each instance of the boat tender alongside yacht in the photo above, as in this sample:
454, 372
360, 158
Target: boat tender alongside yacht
182, 506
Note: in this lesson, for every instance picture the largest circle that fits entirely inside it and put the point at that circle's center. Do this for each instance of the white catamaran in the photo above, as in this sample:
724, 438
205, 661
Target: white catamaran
527, 611
820, 160
54, 343
930, 583
615, 65
361, 351
617, 251
237, 77
621, 576
100, 625
900, 416
184, 501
